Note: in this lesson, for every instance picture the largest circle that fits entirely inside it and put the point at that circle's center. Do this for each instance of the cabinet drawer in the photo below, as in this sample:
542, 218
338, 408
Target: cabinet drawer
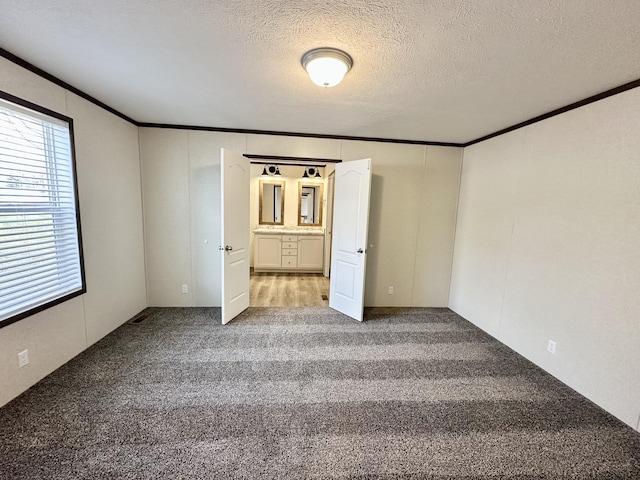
289, 238
290, 262
286, 244
289, 252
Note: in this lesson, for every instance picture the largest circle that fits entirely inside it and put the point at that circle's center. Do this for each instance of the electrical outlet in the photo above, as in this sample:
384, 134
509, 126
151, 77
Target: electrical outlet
551, 347
390, 290
185, 288
23, 358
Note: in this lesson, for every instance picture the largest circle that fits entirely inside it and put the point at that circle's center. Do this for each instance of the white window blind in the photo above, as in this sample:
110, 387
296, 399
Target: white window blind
40, 254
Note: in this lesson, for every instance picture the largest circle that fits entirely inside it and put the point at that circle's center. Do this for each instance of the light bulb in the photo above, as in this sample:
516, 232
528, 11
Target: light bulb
326, 66
326, 72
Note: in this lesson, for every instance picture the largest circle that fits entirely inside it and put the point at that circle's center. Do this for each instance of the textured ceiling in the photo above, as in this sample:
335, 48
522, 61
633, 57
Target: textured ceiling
440, 70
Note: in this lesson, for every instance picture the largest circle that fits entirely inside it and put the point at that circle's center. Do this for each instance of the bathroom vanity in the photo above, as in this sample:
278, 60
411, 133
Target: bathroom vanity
291, 248
295, 250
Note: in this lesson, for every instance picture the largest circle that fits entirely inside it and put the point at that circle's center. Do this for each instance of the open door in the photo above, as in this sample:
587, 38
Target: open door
350, 229
234, 244
328, 236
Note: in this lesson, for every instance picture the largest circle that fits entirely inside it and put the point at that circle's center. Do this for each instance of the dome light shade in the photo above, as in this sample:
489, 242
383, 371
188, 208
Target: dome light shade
326, 66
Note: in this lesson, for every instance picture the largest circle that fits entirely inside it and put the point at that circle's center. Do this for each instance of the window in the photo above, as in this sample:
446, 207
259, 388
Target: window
40, 245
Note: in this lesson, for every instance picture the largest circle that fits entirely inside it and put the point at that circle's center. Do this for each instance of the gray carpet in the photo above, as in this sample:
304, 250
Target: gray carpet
308, 393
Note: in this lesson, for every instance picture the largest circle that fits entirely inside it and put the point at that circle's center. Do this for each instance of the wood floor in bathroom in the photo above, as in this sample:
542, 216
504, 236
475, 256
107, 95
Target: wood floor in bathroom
288, 290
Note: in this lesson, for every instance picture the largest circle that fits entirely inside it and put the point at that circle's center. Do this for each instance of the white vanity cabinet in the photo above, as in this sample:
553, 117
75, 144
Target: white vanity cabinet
273, 252
266, 252
289, 251
311, 252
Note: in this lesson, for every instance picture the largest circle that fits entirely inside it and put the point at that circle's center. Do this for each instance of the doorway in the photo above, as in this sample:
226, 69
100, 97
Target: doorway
305, 204
298, 250
269, 289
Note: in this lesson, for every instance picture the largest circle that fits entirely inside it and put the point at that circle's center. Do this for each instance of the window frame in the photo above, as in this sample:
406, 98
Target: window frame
83, 289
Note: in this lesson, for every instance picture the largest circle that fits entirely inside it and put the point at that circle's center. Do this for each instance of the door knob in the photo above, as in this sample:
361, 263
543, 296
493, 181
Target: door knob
360, 250
228, 248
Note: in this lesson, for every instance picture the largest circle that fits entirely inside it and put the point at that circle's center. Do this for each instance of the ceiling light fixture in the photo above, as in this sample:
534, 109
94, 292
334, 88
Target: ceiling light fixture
326, 66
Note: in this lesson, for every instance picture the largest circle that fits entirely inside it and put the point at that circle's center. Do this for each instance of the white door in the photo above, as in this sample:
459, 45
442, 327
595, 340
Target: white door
234, 245
350, 228
329, 229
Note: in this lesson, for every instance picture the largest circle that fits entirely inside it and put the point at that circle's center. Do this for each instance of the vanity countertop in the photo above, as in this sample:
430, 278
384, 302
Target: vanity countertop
290, 230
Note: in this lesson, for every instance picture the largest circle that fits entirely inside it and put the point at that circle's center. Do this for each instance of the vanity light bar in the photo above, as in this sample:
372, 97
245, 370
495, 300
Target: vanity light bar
290, 159
291, 164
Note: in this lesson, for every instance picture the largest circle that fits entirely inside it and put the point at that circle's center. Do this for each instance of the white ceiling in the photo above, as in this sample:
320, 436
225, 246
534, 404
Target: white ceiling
438, 70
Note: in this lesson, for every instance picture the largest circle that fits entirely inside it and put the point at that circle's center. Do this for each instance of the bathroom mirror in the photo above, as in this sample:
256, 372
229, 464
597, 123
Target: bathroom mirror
310, 204
271, 209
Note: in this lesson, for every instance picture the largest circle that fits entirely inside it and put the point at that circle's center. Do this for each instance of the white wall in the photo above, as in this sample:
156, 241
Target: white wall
181, 191
412, 216
412, 222
108, 167
548, 247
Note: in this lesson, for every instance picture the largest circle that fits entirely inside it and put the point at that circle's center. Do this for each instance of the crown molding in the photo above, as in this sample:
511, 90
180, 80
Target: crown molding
558, 111
298, 134
581, 103
61, 83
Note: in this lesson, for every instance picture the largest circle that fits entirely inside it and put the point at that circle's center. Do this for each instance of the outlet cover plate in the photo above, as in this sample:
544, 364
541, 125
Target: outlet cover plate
23, 358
